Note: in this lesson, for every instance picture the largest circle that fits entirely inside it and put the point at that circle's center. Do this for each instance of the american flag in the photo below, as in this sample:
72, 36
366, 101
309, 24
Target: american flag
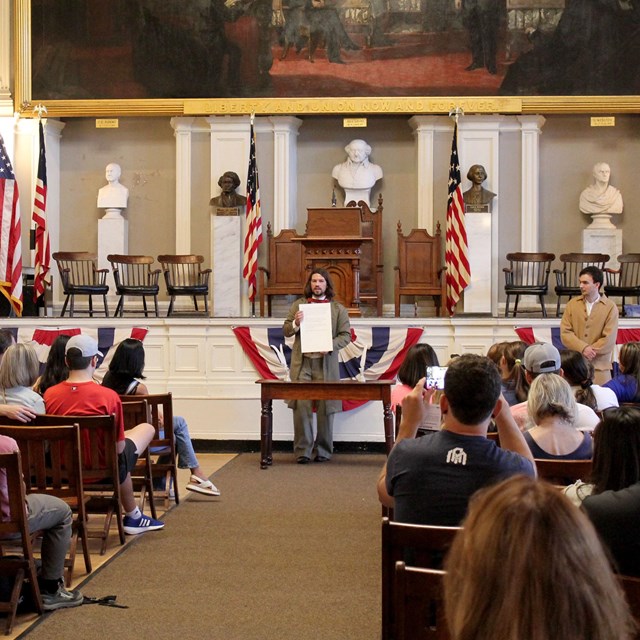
456, 250
10, 234
253, 236
39, 221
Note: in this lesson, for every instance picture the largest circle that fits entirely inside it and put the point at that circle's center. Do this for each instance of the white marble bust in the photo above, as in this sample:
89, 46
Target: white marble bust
601, 197
356, 175
114, 195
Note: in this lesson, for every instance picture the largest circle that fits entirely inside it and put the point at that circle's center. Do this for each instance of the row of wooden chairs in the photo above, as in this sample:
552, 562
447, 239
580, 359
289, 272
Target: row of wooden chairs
133, 276
412, 581
528, 274
75, 459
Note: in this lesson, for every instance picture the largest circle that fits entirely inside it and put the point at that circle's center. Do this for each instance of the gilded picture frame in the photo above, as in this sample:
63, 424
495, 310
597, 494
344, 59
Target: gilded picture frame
290, 77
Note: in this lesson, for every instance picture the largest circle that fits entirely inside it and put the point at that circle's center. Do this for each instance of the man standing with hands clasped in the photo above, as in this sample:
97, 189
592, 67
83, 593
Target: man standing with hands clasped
315, 366
590, 324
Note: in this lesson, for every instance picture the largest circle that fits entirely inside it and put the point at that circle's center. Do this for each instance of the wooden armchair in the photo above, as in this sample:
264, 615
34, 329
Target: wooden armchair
81, 277
625, 281
567, 277
419, 604
185, 277
425, 546
284, 275
527, 274
52, 465
16, 526
133, 276
420, 271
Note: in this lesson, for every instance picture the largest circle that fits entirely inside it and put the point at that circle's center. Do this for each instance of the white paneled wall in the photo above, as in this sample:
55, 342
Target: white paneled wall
213, 381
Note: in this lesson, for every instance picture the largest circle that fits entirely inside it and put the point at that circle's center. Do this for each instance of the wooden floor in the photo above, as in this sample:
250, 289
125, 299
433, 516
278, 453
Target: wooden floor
210, 463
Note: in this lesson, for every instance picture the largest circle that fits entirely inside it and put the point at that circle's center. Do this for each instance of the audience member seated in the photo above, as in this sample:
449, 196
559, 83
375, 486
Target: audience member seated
543, 357
625, 384
53, 517
80, 395
18, 371
19, 412
553, 409
612, 497
578, 372
429, 480
508, 357
124, 375
55, 369
414, 367
527, 565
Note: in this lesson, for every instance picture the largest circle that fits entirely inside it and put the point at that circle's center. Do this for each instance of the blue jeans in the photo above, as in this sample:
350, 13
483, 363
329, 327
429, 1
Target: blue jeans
184, 447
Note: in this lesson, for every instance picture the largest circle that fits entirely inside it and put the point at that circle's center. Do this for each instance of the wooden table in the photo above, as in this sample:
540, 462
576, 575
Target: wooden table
320, 390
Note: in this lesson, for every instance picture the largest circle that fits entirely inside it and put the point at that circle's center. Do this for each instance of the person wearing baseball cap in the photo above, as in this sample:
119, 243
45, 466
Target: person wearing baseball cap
542, 358
84, 344
81, 395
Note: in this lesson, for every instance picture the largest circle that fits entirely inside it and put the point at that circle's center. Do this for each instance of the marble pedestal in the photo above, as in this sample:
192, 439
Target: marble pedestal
477, 296
113, 237
226, 264
608, 240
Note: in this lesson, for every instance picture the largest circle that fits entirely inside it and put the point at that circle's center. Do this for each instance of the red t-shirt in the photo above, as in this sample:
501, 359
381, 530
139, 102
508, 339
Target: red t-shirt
84, 399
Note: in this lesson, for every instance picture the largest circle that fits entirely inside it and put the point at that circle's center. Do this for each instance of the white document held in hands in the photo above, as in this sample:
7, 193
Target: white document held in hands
315, 328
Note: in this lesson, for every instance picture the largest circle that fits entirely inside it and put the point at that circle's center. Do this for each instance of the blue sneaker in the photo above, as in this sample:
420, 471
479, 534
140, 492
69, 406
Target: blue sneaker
142, 524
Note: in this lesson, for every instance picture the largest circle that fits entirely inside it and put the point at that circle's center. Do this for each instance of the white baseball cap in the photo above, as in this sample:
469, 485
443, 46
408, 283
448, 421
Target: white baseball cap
84, 343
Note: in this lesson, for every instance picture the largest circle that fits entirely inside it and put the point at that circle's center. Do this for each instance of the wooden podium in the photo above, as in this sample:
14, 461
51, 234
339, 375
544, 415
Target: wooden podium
333, 241
347, 242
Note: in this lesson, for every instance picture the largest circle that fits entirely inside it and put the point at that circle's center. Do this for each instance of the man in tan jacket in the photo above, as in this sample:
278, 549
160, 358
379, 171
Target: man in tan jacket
590, 324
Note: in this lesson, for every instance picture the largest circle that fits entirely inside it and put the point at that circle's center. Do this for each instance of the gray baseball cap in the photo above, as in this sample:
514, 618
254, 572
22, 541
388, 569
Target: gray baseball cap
542, 357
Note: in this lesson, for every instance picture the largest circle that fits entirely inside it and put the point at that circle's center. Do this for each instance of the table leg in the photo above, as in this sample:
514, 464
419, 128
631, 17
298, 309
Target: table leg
389, 435
266, 434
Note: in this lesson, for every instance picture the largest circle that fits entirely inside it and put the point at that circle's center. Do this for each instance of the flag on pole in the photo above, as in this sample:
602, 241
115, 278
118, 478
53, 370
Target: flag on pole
253, 236
456, 250
39, 222
10, 234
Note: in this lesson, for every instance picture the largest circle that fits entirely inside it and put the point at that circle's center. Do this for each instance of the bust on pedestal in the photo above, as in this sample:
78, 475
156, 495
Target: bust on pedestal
113, 197
226, 247
601, 201
356, 175
113, 229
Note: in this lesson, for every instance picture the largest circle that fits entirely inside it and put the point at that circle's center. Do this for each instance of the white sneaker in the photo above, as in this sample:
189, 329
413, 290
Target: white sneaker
202, 486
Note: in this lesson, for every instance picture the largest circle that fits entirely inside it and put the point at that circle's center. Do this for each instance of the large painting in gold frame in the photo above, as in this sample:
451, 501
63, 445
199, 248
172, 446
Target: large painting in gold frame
86, 58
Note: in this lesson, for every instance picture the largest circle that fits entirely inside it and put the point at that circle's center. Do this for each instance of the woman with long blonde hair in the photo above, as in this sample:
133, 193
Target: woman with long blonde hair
528, 565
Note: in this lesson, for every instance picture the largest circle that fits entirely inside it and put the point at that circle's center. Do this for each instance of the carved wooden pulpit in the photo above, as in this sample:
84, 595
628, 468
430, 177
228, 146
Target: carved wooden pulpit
333, 241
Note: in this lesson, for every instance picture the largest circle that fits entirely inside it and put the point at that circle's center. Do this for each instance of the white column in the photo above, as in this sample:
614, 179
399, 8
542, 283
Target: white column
531, 127
182, 127
285, 174
424, 130
478, 143
229, 149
